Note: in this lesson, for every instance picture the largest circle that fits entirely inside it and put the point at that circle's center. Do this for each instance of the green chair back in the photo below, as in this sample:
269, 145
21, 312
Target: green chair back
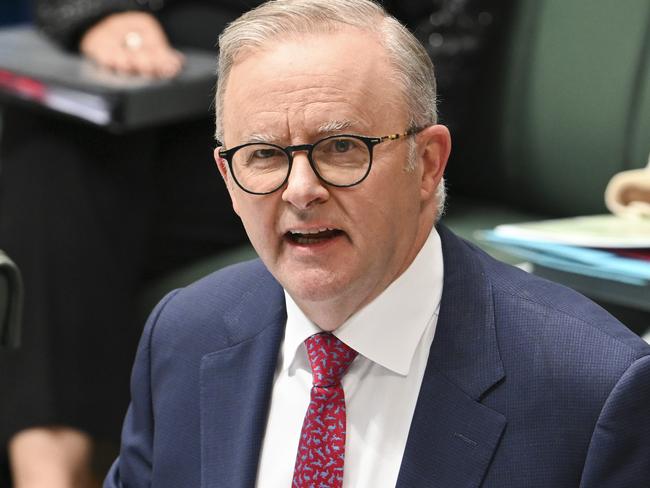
576, 101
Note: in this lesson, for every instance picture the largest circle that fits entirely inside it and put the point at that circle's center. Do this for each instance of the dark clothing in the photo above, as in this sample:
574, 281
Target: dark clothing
464, 38
188, 23
90, 218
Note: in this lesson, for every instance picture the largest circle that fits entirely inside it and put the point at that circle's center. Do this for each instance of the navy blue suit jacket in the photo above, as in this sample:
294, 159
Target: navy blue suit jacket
528, 384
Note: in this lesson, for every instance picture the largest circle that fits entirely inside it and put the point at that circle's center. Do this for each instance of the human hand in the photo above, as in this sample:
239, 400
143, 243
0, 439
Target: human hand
132, 43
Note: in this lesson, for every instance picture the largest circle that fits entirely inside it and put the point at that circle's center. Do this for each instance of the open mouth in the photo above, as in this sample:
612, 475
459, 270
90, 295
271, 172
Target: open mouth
315, 236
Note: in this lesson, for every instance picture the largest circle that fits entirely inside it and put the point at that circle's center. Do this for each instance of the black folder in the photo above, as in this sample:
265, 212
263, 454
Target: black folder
35, 71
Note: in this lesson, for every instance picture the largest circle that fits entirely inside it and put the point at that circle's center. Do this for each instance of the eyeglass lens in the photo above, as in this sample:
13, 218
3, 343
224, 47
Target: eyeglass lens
341, 161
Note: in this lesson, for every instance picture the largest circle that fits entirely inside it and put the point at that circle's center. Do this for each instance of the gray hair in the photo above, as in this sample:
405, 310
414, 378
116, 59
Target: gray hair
280, 19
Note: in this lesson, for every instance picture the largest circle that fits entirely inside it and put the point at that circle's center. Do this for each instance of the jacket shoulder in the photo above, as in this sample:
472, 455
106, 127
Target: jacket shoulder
543, 307
222, 309
548, 333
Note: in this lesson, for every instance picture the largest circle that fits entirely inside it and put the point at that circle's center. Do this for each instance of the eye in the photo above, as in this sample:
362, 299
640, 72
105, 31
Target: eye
260, 156
338, 146
267, 152
342, 145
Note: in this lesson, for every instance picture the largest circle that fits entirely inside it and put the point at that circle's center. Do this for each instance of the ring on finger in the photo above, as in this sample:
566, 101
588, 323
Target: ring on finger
133, 41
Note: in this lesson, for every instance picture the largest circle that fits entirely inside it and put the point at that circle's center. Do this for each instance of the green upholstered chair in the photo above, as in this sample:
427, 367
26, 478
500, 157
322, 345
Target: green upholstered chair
566, 106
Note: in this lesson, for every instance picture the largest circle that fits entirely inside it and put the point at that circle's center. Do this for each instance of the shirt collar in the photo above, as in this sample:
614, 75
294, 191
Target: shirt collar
388, 330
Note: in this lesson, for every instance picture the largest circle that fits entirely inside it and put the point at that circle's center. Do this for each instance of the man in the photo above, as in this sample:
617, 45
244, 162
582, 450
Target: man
433, 365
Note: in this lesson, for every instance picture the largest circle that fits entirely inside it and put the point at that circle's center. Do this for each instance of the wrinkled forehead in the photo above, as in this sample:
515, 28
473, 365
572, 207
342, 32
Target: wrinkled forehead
341, 76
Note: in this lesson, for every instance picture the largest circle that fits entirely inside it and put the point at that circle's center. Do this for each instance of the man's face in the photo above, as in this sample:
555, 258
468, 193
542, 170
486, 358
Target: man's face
331, 247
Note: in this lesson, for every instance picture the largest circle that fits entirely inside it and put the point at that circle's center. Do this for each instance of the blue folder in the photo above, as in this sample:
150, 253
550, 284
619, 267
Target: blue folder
581, 260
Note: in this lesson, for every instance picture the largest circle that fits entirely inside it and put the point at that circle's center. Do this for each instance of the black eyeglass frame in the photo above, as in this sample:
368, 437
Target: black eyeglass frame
370, 143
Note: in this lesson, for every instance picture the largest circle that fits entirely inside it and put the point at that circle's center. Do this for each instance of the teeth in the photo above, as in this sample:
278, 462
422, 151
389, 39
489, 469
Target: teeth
310, 231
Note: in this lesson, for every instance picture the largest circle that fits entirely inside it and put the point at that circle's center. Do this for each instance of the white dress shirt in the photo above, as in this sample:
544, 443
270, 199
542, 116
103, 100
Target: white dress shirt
392, 335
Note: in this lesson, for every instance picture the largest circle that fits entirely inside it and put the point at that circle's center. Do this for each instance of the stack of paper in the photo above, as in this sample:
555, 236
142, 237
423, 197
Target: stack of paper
602, 246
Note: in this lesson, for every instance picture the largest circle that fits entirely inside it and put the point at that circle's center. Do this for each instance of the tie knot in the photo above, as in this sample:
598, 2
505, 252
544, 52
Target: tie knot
329, 358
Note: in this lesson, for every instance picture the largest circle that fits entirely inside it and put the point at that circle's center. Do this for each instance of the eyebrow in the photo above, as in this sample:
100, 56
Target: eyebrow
259, 137
324, 129
334, 126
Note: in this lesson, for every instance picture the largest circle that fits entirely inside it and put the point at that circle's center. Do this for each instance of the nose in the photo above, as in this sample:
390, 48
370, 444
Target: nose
304, 189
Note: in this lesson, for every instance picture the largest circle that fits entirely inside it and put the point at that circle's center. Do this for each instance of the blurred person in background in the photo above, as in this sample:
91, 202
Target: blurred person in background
91, 217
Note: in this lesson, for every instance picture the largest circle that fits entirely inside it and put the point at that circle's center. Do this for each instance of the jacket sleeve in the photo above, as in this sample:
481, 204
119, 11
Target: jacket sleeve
619, 451
65, 21
133, 467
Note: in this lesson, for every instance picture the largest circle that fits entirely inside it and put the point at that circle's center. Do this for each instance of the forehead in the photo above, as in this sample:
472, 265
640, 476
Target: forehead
295, 87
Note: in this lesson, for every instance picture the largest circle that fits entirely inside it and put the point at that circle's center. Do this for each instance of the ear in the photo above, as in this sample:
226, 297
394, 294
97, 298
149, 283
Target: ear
434, 147
222, 165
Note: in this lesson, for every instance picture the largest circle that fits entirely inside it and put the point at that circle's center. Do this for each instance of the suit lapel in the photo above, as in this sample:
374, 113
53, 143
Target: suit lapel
236, 385
453, 437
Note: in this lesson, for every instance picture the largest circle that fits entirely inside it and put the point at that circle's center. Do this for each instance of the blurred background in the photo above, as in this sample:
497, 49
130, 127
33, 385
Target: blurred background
14, 12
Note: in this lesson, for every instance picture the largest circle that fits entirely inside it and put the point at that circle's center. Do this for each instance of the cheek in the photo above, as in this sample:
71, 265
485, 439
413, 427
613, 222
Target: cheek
248, 214
258, 219
400, 212
373, 221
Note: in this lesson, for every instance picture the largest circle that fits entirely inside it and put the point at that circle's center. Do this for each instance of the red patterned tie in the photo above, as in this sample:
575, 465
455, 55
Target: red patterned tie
321, 452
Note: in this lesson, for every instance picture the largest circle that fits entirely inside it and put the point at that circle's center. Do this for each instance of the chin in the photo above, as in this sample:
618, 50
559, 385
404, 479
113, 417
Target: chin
315, 285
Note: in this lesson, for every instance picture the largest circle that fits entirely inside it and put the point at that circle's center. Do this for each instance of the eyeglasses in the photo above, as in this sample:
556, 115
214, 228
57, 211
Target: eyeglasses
342, 160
